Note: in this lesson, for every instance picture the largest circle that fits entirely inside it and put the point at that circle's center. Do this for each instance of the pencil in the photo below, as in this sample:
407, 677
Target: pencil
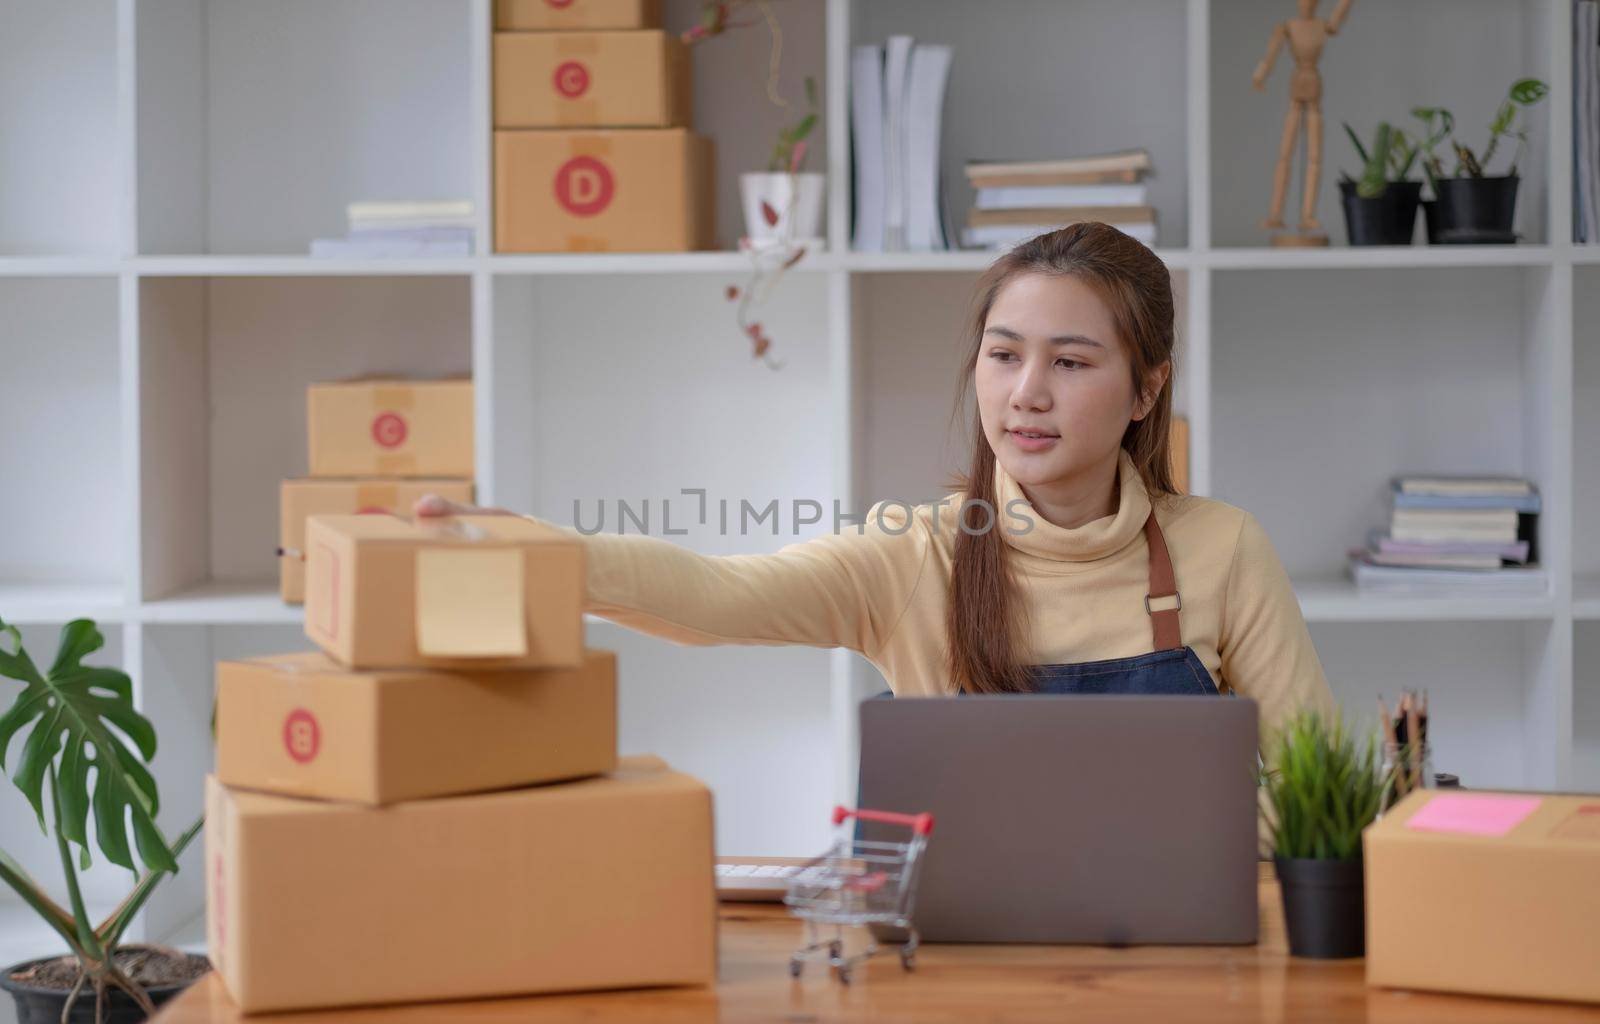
1412, 740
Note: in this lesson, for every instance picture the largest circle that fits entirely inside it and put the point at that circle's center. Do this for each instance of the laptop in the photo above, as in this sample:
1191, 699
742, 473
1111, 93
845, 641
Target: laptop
1113, 820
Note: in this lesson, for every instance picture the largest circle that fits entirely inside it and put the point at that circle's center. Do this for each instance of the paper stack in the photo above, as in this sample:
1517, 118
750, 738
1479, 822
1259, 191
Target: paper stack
1018, 200
420, 228
1456, 534
896, 109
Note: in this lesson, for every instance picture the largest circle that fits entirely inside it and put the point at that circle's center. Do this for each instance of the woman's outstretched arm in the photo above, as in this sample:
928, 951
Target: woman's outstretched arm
844, 589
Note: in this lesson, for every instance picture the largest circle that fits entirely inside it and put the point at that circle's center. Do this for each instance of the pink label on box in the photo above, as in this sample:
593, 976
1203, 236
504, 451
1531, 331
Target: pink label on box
1474, 814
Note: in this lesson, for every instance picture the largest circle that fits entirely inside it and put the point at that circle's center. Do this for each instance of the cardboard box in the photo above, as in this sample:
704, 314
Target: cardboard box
566, 15
628, 190
1486, 893
298, 499
301, 725
395, 428
478, 592
603, 883
637, 79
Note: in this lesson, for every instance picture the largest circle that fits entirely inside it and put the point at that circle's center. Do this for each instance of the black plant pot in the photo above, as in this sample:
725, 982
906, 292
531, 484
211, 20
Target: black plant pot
1473, 211
1323, 907
1387, 219
38, 1005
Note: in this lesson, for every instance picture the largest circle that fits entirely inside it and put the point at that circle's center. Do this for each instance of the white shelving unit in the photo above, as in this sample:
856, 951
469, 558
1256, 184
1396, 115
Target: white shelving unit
168, 161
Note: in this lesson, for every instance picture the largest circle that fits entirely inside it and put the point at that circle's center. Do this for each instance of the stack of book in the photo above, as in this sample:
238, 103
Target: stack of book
896, 113
425, 228
1456, 534
1020, 199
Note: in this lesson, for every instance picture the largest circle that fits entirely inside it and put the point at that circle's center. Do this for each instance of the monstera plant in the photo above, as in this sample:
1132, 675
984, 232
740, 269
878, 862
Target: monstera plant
87, 754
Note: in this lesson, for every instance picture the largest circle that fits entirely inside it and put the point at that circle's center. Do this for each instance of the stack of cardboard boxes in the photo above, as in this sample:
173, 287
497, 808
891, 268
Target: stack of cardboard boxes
432, 807
593, 142
377, 445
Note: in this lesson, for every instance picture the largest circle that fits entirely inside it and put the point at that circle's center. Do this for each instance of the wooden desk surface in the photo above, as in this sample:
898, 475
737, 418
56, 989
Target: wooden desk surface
964, 983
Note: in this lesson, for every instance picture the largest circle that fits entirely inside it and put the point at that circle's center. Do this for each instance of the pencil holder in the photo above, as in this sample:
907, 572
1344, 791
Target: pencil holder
1408, 767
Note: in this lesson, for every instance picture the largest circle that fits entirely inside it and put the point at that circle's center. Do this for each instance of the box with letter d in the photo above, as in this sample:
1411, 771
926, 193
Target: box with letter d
482, 592
640, 190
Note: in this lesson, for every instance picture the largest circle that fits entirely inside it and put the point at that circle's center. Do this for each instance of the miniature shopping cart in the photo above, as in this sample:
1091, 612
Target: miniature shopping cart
859, 882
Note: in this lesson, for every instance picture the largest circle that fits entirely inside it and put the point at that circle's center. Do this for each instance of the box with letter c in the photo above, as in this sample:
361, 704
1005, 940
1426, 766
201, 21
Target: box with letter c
591, 80
390, 428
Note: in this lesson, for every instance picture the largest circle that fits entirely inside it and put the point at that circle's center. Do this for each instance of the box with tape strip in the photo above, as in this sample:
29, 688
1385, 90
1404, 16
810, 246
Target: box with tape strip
627, 190
567, 15
1486, 893
473, 592
390, 428
302, 725
602, 883
637, 79
300, 499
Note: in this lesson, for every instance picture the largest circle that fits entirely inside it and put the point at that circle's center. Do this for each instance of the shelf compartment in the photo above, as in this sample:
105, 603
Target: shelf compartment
1489, 690
61, 393
58, 130
225, 363
1327, 386
258, 123
1045, 92
1386, 59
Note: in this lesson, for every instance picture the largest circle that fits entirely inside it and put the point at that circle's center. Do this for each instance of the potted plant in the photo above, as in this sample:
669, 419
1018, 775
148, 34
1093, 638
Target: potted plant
1473, 206
783, 204
1380, 207
84, 722
1327, 785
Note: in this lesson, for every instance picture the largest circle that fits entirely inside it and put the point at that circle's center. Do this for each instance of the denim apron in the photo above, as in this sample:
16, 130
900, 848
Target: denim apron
1170, 669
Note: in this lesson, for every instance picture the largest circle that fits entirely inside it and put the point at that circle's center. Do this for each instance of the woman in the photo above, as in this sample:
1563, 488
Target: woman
1037, 574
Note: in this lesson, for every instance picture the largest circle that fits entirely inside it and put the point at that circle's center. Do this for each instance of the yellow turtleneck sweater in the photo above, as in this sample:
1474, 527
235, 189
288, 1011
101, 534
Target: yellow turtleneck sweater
883, 591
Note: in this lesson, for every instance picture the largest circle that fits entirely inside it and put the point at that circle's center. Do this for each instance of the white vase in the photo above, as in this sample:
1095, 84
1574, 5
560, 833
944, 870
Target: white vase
797, 199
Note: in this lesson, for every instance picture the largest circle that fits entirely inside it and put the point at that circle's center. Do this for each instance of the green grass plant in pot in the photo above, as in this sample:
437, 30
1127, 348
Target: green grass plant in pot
1471, 205
88, 753
1327, 785
1380, 207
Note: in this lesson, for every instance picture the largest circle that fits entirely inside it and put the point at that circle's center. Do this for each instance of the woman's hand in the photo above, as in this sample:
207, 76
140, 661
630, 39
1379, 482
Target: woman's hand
433, 505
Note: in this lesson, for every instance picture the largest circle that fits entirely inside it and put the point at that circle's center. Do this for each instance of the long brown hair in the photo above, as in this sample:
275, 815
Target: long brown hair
986, 622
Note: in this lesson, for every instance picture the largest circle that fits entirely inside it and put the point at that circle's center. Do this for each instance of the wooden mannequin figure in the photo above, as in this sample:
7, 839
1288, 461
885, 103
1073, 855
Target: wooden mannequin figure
1306, 36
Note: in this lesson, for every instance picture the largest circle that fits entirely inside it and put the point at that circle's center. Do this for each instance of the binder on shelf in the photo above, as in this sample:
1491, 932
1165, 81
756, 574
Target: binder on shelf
897, 62
869, 147
929, 74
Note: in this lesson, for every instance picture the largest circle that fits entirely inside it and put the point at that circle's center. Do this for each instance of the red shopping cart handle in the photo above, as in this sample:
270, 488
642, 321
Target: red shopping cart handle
921, 824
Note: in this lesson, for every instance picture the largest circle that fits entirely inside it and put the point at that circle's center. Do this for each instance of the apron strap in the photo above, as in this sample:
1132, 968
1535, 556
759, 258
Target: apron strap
1163, 587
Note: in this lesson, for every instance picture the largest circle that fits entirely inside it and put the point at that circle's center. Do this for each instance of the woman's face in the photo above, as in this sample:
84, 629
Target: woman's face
1050, 363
